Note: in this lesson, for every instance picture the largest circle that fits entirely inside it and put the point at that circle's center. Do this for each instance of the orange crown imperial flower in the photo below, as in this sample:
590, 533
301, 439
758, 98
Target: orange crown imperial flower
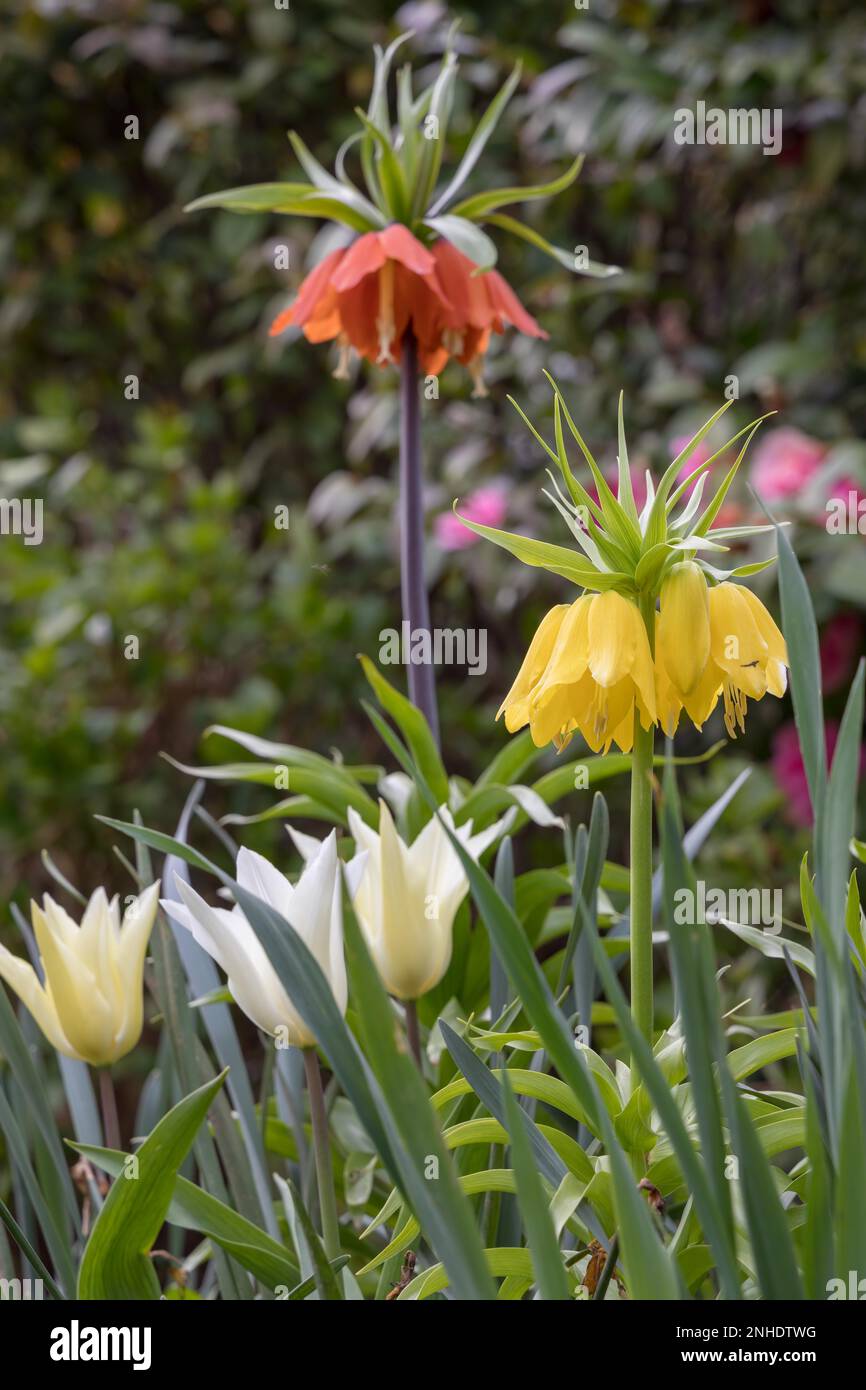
421, 261
368, 295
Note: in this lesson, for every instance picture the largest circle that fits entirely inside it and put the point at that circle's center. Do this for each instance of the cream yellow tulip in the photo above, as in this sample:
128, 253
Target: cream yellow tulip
408, 896
91, 1004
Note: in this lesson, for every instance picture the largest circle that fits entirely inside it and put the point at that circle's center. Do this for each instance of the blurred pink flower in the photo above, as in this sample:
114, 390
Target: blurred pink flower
841, 643
848, 490
790, 774
638, 485
487, 506
784, 462
700, 453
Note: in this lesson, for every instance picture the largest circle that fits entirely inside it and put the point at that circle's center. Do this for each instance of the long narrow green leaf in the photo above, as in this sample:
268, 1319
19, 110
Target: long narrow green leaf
801, 637
335, 188
193, 1209
490, 1092
203, 978
57, 1239
838, 813
467, 237
651, 1273
596, 270
558, 559
414, 728
253, 197
625, 491
116, 1261
324, 1277
27, 1250
180, 1022
850, 1215
391, 178
480, 136
540, 1235
16, 1052
656, 526
432, 147
618, 523
480, 205
677, 874
657, 1086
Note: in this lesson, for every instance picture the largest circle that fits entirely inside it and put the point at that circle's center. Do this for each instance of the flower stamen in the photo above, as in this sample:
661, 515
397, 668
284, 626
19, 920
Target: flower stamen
385, 322
476, 367
341, 371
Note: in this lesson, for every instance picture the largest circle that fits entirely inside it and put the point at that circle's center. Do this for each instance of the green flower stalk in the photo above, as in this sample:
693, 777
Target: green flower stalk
610, 665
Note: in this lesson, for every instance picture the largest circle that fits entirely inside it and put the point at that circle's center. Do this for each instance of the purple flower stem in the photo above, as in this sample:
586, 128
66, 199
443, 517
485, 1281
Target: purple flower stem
416, 608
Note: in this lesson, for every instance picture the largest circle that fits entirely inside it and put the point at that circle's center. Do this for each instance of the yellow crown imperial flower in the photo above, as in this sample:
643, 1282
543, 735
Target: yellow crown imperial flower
613, 661
598, 671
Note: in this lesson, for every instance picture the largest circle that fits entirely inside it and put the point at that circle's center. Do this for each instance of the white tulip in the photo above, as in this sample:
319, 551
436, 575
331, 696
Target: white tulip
313, 906
409, 895
91, 1005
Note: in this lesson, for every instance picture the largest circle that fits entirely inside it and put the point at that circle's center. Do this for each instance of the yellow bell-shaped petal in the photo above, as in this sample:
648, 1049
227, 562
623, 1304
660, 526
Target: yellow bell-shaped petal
683, 632
747, 658
515, 706
669, 702
777, 677
598, 672
737, 645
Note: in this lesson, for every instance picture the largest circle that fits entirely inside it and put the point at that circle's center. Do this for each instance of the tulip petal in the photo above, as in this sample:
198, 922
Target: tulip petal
306, 845
258, 876
231, 941
138, 920
84, 1008
22, 978
433, 860
354, 872
317, 915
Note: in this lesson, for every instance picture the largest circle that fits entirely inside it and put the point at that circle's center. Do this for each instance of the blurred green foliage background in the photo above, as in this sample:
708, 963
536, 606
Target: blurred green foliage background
159, 511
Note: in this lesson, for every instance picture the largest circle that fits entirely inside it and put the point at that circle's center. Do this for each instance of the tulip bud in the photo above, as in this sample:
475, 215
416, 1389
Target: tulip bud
90, 1006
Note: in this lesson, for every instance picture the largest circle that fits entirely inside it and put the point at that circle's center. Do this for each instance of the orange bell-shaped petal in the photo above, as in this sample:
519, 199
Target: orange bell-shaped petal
368, 295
